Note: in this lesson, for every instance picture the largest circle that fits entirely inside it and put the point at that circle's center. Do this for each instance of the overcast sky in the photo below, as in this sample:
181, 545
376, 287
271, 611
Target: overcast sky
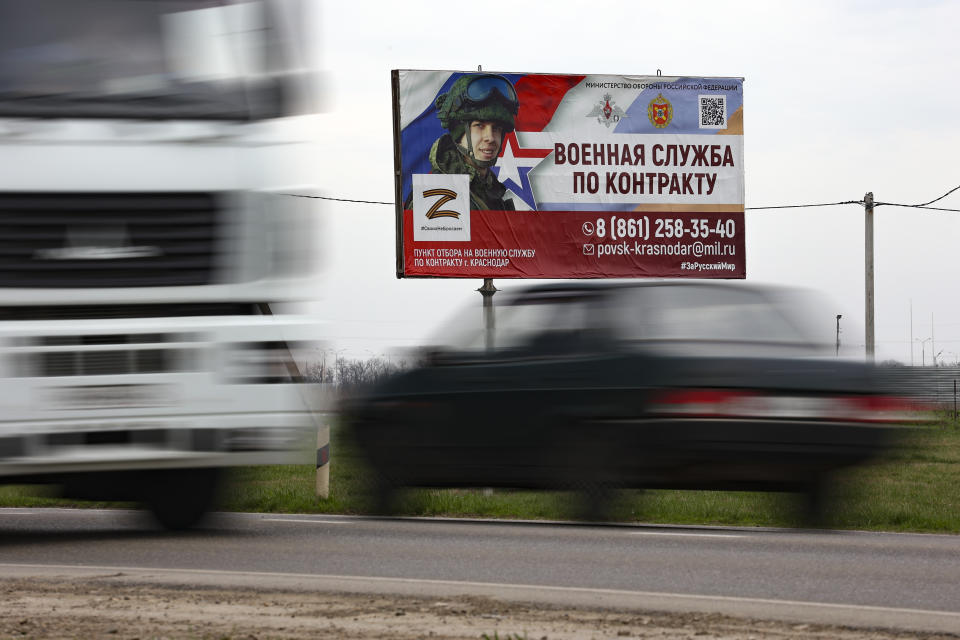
840, 98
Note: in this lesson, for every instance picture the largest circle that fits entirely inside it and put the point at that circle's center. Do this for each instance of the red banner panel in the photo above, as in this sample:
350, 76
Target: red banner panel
578, 244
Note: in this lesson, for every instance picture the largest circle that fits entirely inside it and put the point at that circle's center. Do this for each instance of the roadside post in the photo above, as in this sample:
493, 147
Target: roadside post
323, 461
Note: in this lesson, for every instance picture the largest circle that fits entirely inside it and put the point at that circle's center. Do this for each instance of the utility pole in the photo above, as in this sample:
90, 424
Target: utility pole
923, 351
933, 343
868, 258
838, 334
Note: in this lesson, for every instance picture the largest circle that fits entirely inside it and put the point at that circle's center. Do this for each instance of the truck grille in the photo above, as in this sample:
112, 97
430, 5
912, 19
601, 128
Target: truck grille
73, 240
102, 355
101, 312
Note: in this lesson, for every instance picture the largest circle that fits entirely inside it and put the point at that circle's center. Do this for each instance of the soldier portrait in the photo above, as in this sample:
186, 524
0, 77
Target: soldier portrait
478, 112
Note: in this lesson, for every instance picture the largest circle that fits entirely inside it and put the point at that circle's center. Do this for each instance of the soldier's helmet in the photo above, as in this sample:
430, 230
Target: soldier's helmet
487, 96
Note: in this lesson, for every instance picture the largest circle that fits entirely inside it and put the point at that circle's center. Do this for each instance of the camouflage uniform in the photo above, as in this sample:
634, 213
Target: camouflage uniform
474, 97
486, 192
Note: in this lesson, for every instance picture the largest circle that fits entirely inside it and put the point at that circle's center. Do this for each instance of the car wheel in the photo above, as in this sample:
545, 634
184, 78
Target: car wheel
594, 502
586, 469
384, 494
180, 498
815, 503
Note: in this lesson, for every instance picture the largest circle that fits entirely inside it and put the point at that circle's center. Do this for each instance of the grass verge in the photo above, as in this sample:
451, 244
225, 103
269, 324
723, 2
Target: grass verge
916, 488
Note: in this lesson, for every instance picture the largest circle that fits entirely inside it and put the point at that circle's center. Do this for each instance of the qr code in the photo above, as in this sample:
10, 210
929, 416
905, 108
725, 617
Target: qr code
713, 112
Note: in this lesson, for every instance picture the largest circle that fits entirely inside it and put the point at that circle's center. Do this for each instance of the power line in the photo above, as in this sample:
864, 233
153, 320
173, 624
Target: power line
915, 206
940, 198
804, 206
784, 206
781, 206
922, 205
301, 195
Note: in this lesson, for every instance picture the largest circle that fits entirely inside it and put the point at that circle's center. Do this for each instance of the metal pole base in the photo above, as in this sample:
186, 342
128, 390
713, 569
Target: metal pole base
487, 291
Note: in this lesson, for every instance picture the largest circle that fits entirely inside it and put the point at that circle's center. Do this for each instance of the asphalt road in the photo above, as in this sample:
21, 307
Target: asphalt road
906, 581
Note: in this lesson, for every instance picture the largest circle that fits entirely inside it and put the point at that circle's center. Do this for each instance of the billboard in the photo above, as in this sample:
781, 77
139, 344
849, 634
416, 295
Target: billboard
513, 175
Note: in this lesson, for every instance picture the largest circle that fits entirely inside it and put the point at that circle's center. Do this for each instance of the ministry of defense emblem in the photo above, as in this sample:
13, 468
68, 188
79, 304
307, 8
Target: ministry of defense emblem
606, 111
660, 111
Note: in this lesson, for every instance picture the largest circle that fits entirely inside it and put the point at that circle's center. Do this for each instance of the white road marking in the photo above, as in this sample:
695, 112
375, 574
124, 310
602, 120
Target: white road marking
692, 535
307, 520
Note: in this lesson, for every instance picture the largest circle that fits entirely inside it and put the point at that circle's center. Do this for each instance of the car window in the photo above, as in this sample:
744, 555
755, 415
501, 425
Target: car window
543, 323
706, 313
546, 326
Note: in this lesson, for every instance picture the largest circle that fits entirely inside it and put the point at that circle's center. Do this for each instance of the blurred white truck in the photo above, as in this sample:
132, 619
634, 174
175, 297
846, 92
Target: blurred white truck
146, 246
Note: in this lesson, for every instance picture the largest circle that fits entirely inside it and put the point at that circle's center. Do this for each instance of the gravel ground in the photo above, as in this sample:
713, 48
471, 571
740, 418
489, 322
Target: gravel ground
84, 608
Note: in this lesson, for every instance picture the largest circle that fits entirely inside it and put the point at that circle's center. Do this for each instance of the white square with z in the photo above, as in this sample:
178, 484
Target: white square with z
441, 207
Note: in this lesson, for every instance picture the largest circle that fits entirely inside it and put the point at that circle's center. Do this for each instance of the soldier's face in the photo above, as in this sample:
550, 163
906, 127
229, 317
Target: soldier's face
486, 137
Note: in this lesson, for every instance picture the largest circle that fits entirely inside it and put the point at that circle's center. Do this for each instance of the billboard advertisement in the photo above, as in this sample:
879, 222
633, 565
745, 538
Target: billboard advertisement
512, 175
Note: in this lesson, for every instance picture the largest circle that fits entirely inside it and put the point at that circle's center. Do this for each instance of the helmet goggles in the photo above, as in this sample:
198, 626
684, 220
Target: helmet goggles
488, 88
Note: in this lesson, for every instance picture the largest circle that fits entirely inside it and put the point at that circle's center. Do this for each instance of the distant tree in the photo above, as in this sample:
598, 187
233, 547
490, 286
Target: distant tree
318, 372
346, 373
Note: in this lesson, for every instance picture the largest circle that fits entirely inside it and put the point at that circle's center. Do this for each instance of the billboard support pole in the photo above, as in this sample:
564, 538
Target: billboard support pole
868, 253
487, 291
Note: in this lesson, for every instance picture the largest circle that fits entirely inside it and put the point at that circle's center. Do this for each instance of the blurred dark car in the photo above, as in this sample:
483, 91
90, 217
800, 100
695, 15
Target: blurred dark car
596, 386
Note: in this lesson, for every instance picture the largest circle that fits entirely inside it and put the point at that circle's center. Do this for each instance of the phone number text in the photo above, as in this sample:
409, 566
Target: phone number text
618, 227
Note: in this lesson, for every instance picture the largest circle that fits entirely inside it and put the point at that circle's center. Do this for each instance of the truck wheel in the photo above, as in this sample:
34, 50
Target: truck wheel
179, 498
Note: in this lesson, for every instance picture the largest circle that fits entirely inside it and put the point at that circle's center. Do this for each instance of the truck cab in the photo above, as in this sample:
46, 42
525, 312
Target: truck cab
152, 228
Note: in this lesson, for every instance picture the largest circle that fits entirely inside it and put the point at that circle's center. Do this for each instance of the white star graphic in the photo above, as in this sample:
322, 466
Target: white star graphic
510, 163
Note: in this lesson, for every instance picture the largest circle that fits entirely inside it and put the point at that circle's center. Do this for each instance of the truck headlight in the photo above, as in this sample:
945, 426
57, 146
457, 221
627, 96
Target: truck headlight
262, 363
